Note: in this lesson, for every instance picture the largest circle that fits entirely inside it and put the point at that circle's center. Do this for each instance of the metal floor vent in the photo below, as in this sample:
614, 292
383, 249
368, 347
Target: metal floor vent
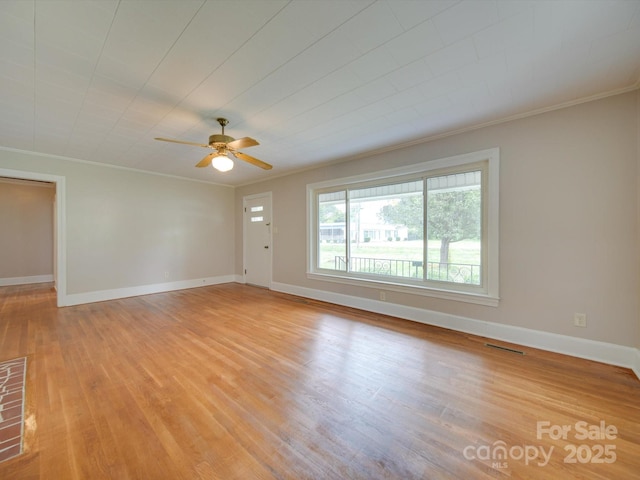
506, 349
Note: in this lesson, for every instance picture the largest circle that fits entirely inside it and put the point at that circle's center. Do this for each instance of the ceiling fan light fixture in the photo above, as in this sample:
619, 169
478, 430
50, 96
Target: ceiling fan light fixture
222, 163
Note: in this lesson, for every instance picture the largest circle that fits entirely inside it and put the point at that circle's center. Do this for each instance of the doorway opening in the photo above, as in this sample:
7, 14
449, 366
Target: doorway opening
59, 225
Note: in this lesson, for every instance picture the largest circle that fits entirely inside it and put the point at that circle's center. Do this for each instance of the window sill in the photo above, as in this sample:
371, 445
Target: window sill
476, 298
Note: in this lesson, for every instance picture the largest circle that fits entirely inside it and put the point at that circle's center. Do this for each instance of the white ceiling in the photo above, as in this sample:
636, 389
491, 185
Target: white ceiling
313, 81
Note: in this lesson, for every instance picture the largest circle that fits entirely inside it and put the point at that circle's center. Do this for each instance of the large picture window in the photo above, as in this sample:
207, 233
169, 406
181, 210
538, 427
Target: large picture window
429, 228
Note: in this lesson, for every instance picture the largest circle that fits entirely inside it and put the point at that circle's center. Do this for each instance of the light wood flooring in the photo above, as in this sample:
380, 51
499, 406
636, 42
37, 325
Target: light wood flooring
236, 382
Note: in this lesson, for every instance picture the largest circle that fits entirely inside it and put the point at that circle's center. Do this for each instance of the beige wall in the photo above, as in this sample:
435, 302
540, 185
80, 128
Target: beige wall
638, 219
568, 220
26, 228
126, 228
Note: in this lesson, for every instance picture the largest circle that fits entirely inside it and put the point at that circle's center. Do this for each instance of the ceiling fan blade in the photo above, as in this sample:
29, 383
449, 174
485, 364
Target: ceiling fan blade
252, 160
206, 161
182, 142
245, 142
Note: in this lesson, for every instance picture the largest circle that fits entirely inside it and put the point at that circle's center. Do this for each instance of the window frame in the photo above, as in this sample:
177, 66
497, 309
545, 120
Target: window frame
485, 294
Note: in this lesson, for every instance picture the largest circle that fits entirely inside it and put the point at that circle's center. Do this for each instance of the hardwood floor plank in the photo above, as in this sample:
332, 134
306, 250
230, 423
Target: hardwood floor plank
236, 382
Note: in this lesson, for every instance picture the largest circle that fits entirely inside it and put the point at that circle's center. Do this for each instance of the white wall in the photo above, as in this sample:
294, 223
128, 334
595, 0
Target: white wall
26, 231
126, 229
568, 220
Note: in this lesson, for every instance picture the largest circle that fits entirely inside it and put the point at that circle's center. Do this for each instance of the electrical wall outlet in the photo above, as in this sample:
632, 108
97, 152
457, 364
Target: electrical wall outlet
383, 296
580, 320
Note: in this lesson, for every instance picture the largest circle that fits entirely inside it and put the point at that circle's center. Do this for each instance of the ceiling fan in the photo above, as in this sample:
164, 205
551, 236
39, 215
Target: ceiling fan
223, 146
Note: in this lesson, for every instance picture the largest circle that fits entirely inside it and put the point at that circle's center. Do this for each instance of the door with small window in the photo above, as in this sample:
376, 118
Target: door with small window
257, 240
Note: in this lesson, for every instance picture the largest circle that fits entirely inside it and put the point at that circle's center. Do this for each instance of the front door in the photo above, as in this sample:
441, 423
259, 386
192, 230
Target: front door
257, 240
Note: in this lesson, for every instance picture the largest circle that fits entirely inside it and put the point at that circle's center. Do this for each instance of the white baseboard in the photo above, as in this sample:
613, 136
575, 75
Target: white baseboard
610, 353
25, 280
103, 295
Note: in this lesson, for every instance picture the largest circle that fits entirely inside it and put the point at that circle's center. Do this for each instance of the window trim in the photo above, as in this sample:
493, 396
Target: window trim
485, 295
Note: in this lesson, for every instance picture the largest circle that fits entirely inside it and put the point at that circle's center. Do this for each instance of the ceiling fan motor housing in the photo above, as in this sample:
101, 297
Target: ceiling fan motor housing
219, 139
